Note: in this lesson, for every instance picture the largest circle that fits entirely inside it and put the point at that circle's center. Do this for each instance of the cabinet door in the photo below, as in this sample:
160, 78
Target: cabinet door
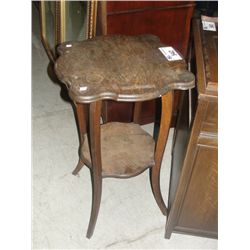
193, 188
199, 209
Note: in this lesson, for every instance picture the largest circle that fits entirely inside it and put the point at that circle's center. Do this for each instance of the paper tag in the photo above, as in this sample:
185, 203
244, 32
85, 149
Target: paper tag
208, 26
170, 53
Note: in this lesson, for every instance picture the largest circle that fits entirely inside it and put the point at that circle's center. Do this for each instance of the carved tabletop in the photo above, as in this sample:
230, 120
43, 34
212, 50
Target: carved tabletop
121, 68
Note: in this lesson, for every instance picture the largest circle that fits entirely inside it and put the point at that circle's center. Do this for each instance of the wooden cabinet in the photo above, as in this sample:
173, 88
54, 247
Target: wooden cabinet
169, 20
193, 190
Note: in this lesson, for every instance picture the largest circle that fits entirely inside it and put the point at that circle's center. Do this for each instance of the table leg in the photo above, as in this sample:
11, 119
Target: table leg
166, 114
137, 112
96, 170
81, 117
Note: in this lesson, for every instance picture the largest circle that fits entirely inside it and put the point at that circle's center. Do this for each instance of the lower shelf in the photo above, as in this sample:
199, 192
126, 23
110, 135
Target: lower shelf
126, 150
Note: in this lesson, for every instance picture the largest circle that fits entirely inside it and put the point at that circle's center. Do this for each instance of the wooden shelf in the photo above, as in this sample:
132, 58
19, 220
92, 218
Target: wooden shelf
126, 149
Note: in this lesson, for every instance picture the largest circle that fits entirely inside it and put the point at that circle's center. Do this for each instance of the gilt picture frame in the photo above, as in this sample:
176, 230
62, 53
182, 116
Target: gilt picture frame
65, 21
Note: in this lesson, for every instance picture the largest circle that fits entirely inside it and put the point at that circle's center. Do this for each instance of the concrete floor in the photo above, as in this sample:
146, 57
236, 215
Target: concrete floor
129, 217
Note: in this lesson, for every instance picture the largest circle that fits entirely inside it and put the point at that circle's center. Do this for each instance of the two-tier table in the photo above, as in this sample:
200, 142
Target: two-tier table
126, 69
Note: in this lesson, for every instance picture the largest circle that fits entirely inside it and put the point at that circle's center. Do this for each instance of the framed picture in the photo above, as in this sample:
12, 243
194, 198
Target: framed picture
66, 21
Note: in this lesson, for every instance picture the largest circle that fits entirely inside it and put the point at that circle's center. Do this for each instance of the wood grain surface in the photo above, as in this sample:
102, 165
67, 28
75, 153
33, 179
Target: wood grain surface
121, 68
126, 149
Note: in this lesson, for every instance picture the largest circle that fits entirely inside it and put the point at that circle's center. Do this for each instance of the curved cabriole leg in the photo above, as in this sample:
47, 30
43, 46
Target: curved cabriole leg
78, 167
80, 112
166, 114
96, 170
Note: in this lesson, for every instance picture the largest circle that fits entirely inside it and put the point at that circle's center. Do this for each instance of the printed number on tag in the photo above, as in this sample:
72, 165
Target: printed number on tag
208, 26
170, 53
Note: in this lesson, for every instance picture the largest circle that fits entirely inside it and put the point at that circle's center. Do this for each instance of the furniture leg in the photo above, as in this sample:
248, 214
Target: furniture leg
96, 170
137, 112
81, 115
166, 114
78, 167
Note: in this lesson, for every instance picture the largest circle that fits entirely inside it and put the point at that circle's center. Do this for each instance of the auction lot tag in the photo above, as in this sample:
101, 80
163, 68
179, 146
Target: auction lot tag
170, 53
208, 26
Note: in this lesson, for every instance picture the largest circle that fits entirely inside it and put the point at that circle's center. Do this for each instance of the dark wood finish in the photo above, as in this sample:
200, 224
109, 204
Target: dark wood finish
120, 111
141, 6
78, 167
122, 68
193, 189
81, 117
144, 17
166, 114
137, 112
96, 173
169, 20
127, 150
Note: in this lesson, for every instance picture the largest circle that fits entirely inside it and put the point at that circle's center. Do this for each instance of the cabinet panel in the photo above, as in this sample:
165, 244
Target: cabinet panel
210, 123
135, 5
181, 138
193, 200
199, 209
158, 22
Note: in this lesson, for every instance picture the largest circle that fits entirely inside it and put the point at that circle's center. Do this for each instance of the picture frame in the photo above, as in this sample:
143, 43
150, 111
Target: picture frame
63, 21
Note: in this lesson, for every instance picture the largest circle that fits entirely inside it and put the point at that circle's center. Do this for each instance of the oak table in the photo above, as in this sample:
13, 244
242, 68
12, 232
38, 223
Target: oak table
119, 68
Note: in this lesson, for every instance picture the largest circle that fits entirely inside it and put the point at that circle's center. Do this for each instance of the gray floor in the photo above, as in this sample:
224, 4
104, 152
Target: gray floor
129, 217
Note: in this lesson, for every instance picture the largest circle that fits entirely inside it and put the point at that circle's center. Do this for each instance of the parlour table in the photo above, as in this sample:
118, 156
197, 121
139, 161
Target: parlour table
127, 69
